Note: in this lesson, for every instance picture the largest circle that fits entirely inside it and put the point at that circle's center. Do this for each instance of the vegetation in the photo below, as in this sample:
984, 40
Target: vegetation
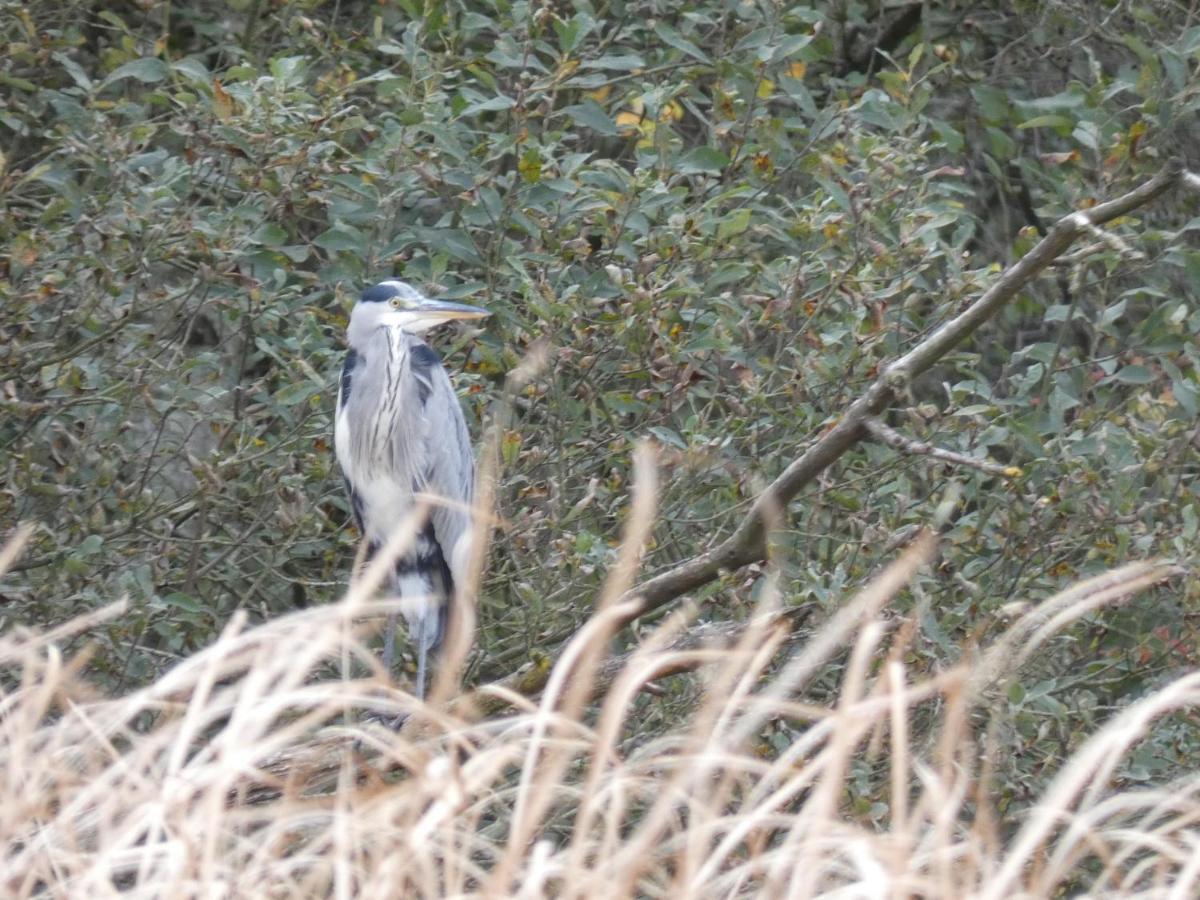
713, 226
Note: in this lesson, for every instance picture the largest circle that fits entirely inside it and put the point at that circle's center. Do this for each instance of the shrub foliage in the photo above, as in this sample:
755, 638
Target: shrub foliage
722, 218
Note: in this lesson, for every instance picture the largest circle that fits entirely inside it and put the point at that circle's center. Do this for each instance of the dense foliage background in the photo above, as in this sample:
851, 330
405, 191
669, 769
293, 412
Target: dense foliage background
722, 216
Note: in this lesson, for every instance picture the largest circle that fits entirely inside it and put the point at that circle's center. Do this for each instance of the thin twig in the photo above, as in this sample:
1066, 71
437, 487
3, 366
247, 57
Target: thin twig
897, 441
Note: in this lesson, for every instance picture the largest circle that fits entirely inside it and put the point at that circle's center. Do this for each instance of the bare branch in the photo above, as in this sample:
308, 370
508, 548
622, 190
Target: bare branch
897, 441
747, 544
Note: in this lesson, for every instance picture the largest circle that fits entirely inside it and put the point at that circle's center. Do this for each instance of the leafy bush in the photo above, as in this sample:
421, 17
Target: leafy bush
248, 779
723, 218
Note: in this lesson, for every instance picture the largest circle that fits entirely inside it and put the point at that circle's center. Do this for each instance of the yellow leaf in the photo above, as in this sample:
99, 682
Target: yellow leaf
945, 54
647, 131
222, 101
672, 112
765, 89
1059, 159
25, 250
629, 122
566, 69
600, 94
27, 23
530, 166
797, 70
510, 446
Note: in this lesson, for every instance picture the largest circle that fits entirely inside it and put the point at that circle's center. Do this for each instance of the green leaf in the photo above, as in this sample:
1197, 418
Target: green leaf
616, 62
148, 70
1186, 395
183, 601
572, 33
789, 46
451, 241
1068, 99
733, 225
268, 234
297, 253
287, 69
754, 40
89, 546
492, 104
192, 69
670, 36
23, 84
1112, 313
591, 114
668, 436
113, 19
1047, 121
341, 238
73, 68
993, 103
296, 392
1135, 375
703, 160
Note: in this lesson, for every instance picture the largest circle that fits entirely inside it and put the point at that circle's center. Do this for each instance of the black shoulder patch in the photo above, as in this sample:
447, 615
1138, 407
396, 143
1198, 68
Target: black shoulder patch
380, 293
424, 360
425, 357
347, 371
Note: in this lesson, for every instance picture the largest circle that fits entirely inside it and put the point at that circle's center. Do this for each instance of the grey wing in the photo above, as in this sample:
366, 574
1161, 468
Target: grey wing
341, 434
451, 465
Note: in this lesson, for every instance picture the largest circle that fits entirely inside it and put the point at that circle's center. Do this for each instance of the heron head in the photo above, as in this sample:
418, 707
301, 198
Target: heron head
400, 305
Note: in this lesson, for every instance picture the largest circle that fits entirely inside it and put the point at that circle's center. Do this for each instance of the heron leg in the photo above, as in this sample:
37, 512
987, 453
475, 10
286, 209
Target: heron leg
422, 654
389, 642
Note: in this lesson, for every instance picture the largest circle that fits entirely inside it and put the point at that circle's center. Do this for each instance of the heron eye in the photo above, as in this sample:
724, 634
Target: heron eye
395, 301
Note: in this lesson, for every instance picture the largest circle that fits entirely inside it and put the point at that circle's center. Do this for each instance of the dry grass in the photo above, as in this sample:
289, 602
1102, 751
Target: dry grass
249, 771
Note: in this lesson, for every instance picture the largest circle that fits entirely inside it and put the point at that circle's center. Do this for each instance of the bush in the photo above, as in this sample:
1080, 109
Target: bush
723, 219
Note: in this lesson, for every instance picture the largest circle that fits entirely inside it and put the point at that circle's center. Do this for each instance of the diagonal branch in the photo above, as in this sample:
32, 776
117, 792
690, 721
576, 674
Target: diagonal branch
747, 544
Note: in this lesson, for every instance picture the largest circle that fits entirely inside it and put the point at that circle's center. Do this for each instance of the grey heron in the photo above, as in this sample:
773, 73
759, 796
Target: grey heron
399, 431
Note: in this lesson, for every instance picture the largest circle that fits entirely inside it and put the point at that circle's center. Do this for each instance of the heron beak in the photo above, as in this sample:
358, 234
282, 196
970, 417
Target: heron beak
435, 312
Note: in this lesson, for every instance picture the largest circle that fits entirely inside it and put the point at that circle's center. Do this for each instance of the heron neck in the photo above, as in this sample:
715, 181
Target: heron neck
360, 335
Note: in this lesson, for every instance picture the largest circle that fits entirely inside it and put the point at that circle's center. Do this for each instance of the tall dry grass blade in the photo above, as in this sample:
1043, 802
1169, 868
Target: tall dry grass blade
1033, 628
865, 605
1083, 778
900, 774
707, 749
821, 807
231, 772
617, 704
15, 545
460, 634
570, 681
789, 776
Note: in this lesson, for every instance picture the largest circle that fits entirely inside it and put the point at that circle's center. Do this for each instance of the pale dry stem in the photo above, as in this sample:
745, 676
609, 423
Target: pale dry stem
234, 774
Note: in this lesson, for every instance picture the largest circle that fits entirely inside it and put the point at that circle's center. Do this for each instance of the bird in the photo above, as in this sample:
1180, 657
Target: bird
399, 431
